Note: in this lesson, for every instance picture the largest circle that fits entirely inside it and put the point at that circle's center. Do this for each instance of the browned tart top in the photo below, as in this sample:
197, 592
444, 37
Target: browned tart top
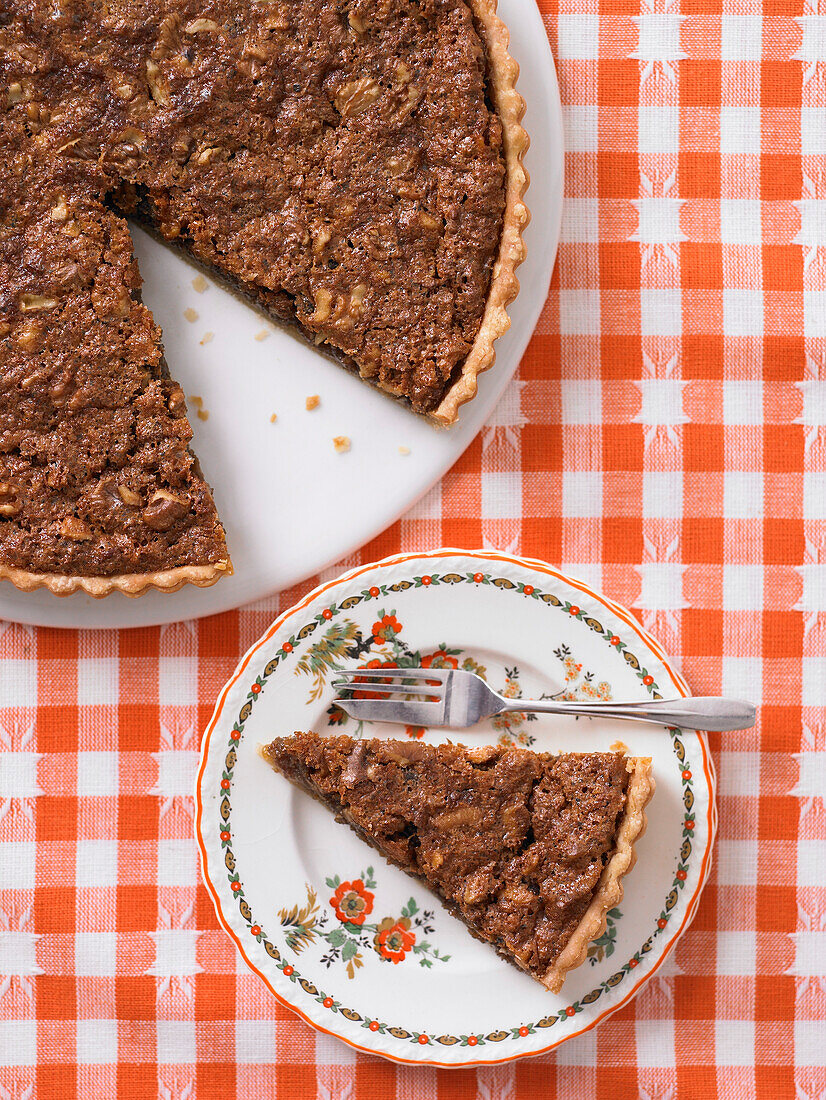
337, 160
514, 841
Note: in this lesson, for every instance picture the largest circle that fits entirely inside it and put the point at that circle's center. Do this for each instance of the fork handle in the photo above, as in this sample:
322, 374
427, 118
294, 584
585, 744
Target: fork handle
697, 713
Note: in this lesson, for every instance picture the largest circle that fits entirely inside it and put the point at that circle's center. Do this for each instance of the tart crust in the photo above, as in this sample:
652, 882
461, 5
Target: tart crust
503, 73
609, 892
129, 584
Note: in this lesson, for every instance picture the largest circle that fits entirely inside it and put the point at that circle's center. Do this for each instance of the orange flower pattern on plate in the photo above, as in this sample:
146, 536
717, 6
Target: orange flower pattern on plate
386, 627
394, 938
352, 902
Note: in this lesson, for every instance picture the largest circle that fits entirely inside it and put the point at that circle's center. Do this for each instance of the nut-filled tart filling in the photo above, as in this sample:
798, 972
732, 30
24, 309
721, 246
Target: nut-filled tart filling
351, 166
528, 849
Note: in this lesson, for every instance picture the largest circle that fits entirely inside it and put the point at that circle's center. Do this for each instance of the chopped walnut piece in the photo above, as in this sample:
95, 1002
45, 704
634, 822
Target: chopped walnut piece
205, 155
279, 21
258, 51
129, 496
341, 443
356, 96
80, 148
321, 239
323, 304
62, 386
29, 334
15, 93
164, 510
75, 529
8, 505
157, 87
125, 155
356, 22
169, 37
199, 284
357, 298
312, 402
31, 302
191, 314
198, 25
37, 115
428, 221
60, 211
134, 136
463, 815
398, 165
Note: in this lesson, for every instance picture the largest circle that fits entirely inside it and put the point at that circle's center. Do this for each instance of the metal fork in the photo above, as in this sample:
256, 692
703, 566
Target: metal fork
455, 698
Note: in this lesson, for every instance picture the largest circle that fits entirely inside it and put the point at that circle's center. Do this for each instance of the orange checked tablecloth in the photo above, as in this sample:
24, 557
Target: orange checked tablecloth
665, 440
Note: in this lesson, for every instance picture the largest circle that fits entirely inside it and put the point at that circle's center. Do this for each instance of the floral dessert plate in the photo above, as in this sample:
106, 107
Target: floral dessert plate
354, 946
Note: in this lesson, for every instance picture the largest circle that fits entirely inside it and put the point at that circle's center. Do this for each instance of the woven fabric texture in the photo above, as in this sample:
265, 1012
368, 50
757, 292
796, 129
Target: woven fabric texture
665, 440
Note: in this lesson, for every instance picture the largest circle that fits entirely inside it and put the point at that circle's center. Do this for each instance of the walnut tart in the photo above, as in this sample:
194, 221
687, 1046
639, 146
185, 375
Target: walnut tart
352, 167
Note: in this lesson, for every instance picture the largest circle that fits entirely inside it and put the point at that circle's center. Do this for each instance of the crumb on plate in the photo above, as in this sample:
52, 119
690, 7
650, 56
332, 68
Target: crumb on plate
341, 443
205, 339
199, 284
198, 402
273, 418
404, 450
191, 314
262, 334
312, 402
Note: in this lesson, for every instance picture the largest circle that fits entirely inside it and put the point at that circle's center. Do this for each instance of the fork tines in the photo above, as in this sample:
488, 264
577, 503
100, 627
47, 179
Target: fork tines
397, 673
431, 691
390, 681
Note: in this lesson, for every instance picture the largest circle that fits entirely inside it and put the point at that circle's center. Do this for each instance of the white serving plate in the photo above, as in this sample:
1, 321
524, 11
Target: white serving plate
279, 486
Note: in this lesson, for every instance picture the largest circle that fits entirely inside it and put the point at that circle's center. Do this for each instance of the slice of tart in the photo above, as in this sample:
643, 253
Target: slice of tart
98, 488
528, 849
